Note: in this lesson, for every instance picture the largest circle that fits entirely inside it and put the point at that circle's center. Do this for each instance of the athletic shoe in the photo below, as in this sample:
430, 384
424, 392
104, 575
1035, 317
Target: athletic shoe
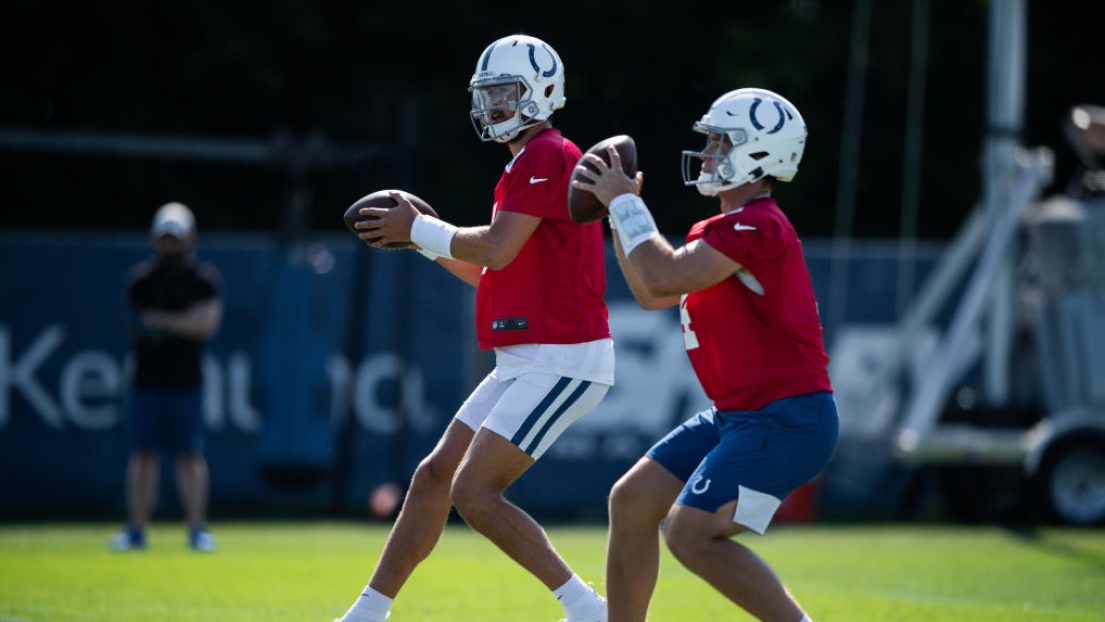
128, 540
202, 540
598, 616
385, 617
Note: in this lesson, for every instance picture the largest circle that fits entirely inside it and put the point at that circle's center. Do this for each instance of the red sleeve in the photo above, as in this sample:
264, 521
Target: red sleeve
537, 183
745, 239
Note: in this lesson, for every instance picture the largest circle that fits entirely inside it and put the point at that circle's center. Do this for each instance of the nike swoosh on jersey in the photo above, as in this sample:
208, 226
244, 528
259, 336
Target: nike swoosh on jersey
537, 180
740, 227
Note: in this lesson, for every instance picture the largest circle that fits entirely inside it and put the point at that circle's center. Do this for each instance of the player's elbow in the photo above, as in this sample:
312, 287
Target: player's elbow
498, 262
497, 257
651, 304
654, 299
659, 287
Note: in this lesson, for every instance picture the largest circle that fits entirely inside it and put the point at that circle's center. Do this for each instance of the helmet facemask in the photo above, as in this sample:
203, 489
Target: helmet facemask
501, 108
713, 169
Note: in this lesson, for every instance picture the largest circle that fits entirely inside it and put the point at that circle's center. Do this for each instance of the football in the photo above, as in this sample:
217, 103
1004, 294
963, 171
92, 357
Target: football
380, 198
583, 206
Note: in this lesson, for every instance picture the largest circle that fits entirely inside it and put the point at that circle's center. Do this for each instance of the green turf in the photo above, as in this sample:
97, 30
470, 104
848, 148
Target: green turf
311, 571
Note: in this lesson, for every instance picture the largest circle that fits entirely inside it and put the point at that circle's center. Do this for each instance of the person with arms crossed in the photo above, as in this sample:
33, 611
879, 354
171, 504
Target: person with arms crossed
753, 336
176, 307
540, 283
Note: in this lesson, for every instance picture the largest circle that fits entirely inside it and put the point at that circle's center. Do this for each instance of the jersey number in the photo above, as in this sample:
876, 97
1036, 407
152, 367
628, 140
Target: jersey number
690, 340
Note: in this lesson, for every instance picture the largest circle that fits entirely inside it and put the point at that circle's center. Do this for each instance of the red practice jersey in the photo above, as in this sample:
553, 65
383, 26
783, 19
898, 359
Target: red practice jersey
755, 337
553, 291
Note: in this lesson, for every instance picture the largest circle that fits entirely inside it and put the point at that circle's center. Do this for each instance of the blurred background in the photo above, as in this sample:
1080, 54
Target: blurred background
947, 201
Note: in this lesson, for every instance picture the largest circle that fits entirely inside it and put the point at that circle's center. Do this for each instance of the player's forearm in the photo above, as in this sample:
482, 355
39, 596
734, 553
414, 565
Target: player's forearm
467, 272
637, 285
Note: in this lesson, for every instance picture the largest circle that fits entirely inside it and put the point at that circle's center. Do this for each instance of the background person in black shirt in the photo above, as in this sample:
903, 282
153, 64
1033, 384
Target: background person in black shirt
175, 306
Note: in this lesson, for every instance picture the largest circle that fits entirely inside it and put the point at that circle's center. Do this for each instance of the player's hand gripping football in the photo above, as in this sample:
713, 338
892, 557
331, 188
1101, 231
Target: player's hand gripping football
383, 226
607, 181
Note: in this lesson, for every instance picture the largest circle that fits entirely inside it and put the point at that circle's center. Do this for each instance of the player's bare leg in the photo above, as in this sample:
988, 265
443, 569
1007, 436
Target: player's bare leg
492, 464
701, 541
425, 511
638, 503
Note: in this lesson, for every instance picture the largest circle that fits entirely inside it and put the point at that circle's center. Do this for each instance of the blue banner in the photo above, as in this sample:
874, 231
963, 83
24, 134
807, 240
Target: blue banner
336, 369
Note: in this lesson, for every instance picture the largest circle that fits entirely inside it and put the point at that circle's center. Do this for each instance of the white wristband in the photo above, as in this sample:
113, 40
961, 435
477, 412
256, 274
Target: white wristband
433, 235
629, 216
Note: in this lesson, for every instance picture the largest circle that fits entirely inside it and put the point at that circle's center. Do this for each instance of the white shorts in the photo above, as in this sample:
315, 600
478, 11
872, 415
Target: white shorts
531, 409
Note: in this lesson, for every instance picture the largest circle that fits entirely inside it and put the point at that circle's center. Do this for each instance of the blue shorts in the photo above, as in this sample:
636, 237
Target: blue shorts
166, 419
771, 451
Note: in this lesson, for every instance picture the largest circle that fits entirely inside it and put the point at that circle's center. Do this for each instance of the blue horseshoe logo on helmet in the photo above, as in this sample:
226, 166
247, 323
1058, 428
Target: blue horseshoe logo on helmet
752, 114
533, 61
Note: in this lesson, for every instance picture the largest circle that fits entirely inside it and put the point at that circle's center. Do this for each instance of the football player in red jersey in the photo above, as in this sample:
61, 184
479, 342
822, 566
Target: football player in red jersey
753, 336
540, 283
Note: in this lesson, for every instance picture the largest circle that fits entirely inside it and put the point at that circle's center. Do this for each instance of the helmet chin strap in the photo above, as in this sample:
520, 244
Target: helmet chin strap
709, 189
509, 136
710, 186
516, 132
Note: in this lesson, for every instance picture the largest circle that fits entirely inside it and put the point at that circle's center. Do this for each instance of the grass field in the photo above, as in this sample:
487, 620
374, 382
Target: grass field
311, 571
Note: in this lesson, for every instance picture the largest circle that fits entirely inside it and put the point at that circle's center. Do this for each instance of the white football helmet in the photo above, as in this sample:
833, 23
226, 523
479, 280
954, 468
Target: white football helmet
519, 82
767, 133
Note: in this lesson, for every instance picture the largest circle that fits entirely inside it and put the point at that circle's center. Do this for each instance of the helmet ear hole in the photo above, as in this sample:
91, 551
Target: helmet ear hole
531, 109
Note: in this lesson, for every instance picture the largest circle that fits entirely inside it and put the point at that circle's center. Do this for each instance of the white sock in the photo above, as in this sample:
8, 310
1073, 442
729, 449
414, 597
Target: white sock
805, 619
371, 606
577, 598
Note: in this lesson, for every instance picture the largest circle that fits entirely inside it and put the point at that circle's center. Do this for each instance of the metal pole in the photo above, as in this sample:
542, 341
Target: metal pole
1005, 111
849, 157
911, 174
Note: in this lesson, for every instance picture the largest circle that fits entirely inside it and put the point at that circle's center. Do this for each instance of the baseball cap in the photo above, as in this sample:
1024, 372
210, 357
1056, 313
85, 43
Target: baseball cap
173, 219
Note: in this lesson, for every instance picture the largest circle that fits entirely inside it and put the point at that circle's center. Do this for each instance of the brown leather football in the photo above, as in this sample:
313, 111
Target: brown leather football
584, 206
380, 198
